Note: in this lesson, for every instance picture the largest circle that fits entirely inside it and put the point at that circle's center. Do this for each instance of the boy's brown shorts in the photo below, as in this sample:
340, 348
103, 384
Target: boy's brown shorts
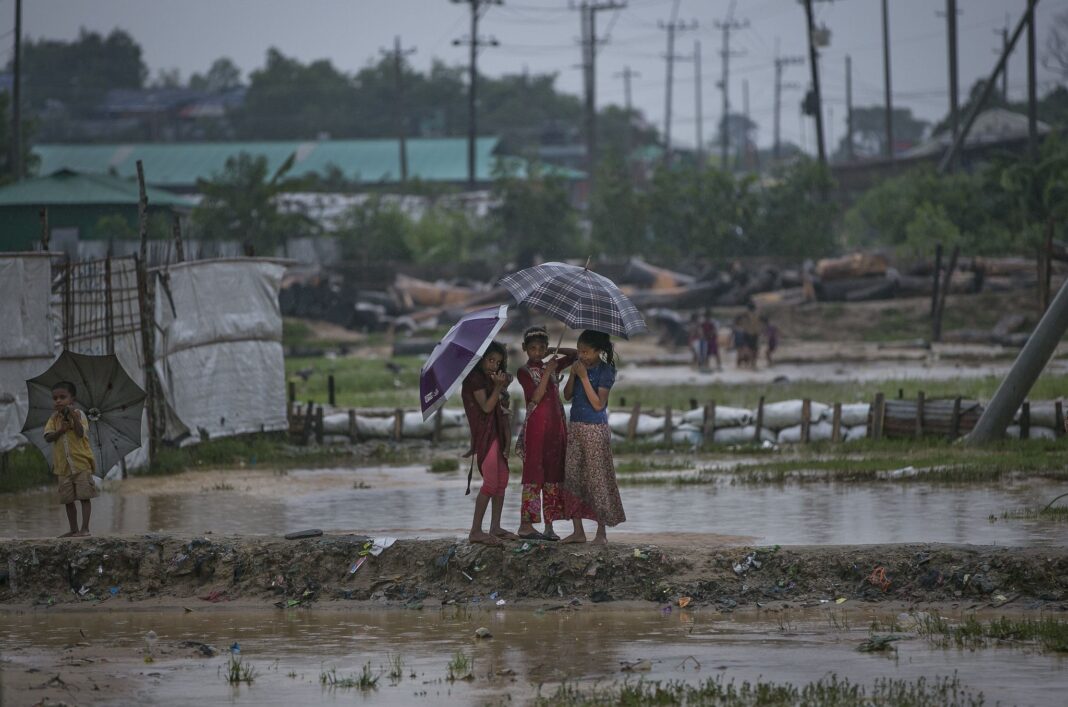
78, 486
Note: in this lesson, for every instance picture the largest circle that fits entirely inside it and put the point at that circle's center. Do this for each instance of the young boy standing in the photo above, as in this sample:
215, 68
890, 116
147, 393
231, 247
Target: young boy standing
67, 430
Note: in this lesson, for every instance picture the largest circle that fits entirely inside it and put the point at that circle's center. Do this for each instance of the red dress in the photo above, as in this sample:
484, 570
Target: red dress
489, 431
542, 444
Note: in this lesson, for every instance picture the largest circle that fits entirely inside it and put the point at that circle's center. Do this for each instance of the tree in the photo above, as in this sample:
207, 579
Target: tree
168, 78
222, 75
78, 74
443, 235
241, 204
534, 217
374, 232
618, 211
740, 131
793, 217
869, 131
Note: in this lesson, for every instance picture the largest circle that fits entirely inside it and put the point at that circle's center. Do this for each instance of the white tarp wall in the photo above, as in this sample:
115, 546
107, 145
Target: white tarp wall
27, 343
219, 350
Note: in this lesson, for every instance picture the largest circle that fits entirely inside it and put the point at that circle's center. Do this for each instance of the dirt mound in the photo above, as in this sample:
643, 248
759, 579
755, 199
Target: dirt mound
301, 572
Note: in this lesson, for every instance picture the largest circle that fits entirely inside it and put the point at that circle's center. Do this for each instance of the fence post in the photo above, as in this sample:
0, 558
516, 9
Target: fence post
330, 390
759, 420
920, 400
319, 425
708, 430
1058, 419
878, 413
667, 425
836, 423
306, 428
1025, 420
632, 425
436, 438
398, 425
352, 426
806, 414
954, 423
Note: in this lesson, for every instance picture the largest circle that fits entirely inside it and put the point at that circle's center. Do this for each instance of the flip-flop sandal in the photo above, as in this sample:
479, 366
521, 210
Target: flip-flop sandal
551, 537
533, 536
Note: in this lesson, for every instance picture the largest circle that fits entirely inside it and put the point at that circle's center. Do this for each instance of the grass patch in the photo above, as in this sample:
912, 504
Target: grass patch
359, 381
442, 465
1057, 514
23, 469
636, 465
239, 671
831, 690
460, 667
271, 450
365, 680
1048, 633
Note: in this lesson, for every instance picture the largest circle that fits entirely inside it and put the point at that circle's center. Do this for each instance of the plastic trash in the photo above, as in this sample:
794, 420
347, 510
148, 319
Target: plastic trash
750, 561
235, 648
684, 602
114, 591
357, 565
501, 602
380, 545
483, 632
494, 595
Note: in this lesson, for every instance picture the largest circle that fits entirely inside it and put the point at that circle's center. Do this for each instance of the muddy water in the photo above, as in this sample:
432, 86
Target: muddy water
409, 502
290, 649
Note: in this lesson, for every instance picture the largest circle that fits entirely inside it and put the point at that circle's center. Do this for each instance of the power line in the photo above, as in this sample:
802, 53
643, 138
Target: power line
478, 9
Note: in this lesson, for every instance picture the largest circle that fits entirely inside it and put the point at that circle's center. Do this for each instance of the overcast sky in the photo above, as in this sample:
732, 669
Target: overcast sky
541, 36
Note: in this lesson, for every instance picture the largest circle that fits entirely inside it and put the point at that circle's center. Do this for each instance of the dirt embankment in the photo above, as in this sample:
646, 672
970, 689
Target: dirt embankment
302, 572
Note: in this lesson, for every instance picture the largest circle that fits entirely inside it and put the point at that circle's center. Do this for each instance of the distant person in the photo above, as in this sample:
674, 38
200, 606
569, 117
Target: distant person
771, 333
590, 488
752, 326
487, 415
710, 336
542, 442
740, 340
67, 430
696, 343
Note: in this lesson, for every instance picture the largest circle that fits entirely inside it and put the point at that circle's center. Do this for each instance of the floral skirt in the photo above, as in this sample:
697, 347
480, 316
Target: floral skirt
590, 488
539, 498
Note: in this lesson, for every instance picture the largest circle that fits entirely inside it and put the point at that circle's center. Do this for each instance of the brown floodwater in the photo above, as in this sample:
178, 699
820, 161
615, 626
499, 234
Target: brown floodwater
408, 501
289, 650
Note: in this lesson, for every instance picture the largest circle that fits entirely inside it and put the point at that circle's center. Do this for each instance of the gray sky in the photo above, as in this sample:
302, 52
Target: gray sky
540, 35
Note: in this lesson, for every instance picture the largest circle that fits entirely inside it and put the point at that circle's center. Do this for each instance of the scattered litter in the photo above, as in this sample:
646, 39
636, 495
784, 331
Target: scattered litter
187, 610
507, 672
100, 569
114, 591
840, 600
666, 610
309, 533
902, 473
179, 558
357, 565
639, 554
380, 545
235, 648
635, 666
684, 602
687, 659
878, 578
494, 595
483, 632
469, 577
524, 548
83, 591
749, 561
501, 602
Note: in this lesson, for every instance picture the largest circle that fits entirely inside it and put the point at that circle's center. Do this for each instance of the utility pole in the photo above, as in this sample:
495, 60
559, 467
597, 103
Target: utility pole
478, 9
627, 75
589, 63
400, 115
886, 83
671, 28
726, 27
813, 60
1032, 89
781, 62
954, 96
1005, 73
850, 155
744, 156
700, 136
16, 97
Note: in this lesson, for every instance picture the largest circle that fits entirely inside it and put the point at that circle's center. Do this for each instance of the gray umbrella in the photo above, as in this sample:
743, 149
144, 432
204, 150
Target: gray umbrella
111, 400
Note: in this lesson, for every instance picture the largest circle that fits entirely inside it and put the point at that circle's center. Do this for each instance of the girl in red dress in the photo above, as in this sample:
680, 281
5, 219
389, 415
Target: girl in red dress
543, 440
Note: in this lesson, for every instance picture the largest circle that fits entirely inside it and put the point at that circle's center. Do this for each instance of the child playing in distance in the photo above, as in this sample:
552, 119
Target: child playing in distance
543, 439
590, 489
696, 342
772, 333
490, 433
710, 334
67, 430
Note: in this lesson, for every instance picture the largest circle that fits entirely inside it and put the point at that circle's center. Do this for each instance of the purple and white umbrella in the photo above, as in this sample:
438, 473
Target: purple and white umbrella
578, 297
456, 354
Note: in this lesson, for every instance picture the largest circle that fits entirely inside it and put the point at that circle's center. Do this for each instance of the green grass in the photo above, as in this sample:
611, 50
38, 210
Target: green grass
443, 464
1048, 387
359, 381
366, 680
1057, 514
239, 671
639, 465
720, 691
270, 450
1048, 633
460, 667
22, 469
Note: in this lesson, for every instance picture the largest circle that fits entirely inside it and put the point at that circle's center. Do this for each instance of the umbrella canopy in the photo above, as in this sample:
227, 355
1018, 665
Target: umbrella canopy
456, 354
578, 297
111, 400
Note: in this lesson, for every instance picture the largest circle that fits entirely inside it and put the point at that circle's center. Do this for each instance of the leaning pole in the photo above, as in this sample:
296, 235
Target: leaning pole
1024, 372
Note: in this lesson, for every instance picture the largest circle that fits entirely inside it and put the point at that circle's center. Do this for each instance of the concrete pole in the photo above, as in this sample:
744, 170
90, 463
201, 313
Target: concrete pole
1024, 372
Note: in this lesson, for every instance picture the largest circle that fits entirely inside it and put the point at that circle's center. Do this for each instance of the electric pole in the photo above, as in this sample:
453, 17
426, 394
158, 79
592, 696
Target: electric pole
400, 115
478, 9
951, 46
813, 60
700, 136
781, 62
1032, 89
886, 83
16, 97
627, 75
726, 27
1005, 73
850, 155
589, 64
671, 27
743, 157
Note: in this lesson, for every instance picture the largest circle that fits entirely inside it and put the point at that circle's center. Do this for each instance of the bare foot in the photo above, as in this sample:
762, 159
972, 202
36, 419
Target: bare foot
483, 538
599, 540
574, 538
70, 534
505, 534
84, 533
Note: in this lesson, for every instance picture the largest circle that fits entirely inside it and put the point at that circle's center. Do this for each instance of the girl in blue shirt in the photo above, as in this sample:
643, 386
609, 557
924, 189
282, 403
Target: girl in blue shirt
590, 488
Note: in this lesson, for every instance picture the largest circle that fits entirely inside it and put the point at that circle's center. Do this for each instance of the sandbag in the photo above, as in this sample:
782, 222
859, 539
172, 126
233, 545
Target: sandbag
819, 432
336, 423
855, 432
853, 414
687, 434
647, 424
1042, 415
787, 413
413, 425
374, 426
1013, 431
725, 416
741, 435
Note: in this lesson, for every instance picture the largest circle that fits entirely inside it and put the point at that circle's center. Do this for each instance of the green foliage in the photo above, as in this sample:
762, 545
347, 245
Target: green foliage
375, 231
223, 75
930, 224
869, 130
22, 469
619, 212
444, 235
794, 219
241, 204
534, 217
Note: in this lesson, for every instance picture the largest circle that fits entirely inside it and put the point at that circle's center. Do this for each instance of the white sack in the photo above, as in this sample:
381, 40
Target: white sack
377, 427
741, 435
619, 423
854, 414
856, 432
1043, 414
1036, 432
725, 416
788, 413
819, 432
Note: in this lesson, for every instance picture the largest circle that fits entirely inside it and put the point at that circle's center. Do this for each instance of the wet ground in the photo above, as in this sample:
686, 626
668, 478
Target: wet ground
99, 656
409, 502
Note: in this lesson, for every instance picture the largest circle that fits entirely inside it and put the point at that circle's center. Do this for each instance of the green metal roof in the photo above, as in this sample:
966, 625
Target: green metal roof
66, 187
180, 165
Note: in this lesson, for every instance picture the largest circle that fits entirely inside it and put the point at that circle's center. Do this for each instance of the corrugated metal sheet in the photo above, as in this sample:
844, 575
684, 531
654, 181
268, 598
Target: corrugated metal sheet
71, 188
180, 165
